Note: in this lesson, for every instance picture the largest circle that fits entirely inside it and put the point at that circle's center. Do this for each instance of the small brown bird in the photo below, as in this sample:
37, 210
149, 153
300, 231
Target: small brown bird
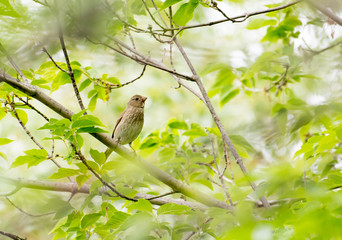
130, 122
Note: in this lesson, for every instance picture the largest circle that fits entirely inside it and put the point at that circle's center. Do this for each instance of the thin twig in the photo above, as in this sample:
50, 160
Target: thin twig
70, 71
140, 58
84, 161
326, 11
215, 171
33, 108
218, 122
114, 86
17, 188
218, 170
12, 236
281, 81
44, 50
162, 195
227, 161
29, 133
215, 6
151, 15
239, 18
26, 213
24, 127
316, 52
2, 49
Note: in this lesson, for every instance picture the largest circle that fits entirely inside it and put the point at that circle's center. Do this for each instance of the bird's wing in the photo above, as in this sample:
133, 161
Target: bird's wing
118, 121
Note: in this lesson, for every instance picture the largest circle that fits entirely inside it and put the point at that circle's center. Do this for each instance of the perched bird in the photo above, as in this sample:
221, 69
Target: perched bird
130, 122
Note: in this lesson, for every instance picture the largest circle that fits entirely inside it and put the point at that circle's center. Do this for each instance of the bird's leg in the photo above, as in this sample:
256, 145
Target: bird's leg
117, 142
130, 144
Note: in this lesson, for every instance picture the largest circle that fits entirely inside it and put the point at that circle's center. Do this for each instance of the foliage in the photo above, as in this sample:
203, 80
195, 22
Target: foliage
281, 106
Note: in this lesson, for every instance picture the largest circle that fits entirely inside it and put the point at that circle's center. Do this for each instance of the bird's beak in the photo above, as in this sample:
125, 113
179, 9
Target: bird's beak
144, 99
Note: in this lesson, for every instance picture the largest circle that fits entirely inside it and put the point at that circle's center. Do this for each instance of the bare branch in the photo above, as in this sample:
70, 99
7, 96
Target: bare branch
220, 176
32, 107
239, 18
85, 189
26, 213
17, 188
316, 52
29, 133
326, 11
3, 50
44, 50
114, 86
24, 127
12, 236
140, 58
162, 195
151, 15
84, 161
218, 122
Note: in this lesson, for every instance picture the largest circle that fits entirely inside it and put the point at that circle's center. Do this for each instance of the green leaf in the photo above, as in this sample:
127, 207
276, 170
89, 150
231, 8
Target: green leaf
91, 130
327, 143
195, 133
33, 157
241, 141
229, 96
64, 172
257, 23
129, 192
169, 3
172, 208
141, 205
113, 80
90, 219
99, 157
281, 118
117, 220
3, 155
178, 124
92, 103
225, 77
7, 10
149, 143
185, 12
84, 84
301, 121
22, 115
2, 113
86, 121
205, 183
62, 78
77, 115
4, 141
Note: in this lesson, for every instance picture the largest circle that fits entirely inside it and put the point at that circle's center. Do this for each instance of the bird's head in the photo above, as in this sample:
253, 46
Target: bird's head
137, 101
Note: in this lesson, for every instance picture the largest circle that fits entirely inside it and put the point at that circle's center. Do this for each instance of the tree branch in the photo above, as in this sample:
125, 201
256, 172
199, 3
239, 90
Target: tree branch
2, 49
114, 86
327, 12
239, 18
140, 58
84, 161
218, 122
12, 236
57, 66
85, 189
26, 213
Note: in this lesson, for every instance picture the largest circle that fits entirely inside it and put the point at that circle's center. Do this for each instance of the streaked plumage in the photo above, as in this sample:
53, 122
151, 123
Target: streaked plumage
130, 122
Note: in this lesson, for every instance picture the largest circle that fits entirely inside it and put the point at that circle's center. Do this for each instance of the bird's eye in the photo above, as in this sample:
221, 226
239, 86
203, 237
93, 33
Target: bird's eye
136, 99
